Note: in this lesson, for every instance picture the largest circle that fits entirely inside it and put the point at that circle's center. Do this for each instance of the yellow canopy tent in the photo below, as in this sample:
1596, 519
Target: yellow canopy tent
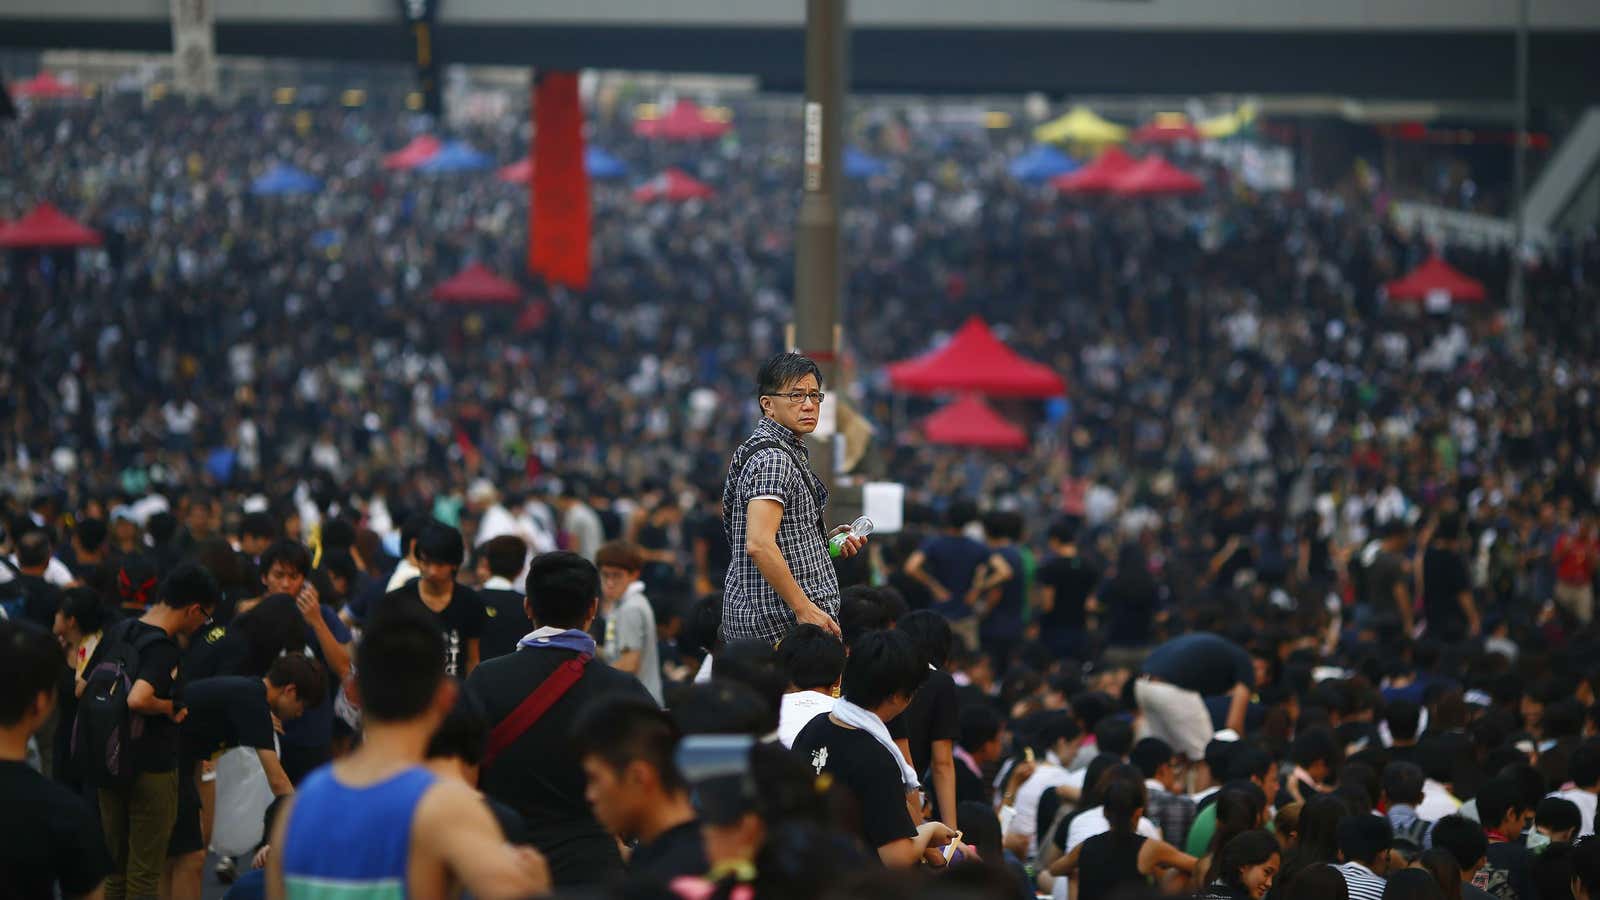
1229, 124
1081, 126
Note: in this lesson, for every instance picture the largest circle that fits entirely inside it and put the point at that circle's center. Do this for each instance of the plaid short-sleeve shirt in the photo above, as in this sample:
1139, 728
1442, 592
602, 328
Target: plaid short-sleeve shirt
750, 606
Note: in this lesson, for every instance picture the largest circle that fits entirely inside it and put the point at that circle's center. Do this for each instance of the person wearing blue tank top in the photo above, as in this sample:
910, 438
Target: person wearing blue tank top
377, 825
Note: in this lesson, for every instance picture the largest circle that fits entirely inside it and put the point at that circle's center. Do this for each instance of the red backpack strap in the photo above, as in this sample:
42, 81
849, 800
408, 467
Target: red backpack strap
534, 706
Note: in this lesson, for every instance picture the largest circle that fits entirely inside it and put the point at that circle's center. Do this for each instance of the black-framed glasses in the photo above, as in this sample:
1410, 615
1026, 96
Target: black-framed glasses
796, 398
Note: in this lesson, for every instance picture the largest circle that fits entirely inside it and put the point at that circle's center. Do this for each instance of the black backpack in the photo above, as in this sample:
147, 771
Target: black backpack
106, 731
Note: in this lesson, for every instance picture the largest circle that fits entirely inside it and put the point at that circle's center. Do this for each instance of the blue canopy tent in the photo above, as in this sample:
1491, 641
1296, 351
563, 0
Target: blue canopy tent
456, 156
602, 164
860, 165
282, 180
1042, 163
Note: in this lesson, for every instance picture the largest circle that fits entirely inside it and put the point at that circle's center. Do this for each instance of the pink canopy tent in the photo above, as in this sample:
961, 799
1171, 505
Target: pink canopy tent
1437, 278
685, 121
45, 86
1154, 175
675, 185
422, 148
1097, 176
969, 422
975, 360
519, 172
1167, 128
47, 226
476, 284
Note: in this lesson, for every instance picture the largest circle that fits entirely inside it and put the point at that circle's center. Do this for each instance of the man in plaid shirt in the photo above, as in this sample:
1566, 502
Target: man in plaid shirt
772, 511
1165, 803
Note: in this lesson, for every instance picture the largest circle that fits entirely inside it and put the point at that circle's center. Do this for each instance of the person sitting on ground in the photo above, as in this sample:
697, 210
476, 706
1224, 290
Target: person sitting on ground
813, 660
1245, 868
1364, 842
1120, 857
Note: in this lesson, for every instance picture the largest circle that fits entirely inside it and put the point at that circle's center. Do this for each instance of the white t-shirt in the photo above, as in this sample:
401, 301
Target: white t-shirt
797, 711
1091, 822
1586, 806
1437, 802
1047, 776
56, 572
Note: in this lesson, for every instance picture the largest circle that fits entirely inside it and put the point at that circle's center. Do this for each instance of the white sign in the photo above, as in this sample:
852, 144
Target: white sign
194, 49
884, 502
1437, 301
813, 147
828, 415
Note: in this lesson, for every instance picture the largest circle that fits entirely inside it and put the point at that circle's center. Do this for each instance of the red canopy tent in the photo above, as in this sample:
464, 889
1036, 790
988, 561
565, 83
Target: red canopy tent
969, 422
1097, 176
476, 284
519, 172
685, 121
1154, 175
44, 86
1167, 128
976, 360
422, 148
1434, 279
673, 184
47, 226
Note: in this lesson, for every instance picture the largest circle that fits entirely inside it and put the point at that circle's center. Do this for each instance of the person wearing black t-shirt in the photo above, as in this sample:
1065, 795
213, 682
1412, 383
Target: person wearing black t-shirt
852, 745
636, 789
926, 732
48, 837
1447, 603
1066, 592
500, 561
455, 607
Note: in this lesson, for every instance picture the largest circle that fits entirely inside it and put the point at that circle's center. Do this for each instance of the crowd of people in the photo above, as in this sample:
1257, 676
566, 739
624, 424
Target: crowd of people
1293, 595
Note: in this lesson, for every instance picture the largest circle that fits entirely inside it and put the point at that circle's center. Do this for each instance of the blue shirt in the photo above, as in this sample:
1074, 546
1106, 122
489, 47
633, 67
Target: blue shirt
952, 559
315, 728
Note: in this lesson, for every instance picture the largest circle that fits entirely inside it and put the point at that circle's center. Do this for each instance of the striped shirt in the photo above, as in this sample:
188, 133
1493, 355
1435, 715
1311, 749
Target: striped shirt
1364, 884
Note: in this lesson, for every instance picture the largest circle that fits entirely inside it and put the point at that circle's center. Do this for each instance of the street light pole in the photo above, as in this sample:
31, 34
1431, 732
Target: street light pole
818, 278
1519, 178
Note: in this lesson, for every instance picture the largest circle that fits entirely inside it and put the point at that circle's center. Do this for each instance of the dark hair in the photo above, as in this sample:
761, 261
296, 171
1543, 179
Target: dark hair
1403, 717
1150, 754
753, 663
1583, 766
1412, 884
161, 527
1363, 780
1123, 798
291, 553
84, 607
304, 673
722, 707
1586, 863
931, 634
882, 665
1314, 745
1464, 839
624, 555
271, 628
1402, 783
1238, 811
1065, 530
399, 665
464, 733
1319, 831
505, 555
411, 529
1248, 761
342, 564
258, 524
90, 534
562, 589
441, 543
338, 534
979, 724
189, 585
33, 548
1498, 798
30, 661
782, 370
1318, 883
1442, 865
1113, 735
960, 513
1252, 848
1363, 837
622, 730
1004, 525
980, 827
1557, 814
860, 612
811, 658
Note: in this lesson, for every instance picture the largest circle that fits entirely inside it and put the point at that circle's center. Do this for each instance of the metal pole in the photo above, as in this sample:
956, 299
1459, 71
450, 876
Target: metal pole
1519, 178
817, 264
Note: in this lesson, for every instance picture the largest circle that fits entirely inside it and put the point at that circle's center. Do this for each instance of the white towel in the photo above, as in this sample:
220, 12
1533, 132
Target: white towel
868, 721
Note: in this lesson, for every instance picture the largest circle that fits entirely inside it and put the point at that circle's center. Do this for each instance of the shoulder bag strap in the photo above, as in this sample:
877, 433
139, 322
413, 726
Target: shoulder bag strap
534, 706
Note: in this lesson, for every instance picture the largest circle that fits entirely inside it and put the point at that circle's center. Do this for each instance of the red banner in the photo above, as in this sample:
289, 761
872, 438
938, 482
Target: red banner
558, 218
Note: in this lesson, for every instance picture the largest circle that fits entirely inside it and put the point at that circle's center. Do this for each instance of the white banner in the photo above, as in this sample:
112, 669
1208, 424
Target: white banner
194, 49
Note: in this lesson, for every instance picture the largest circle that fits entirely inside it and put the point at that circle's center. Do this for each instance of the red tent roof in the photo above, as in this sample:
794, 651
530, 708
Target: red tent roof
45, 85
519, 172
976, 360
969, 422
685, 121
422, 148
673, 184
1167, 128
1096, 176
476, 284
47, 226
1154, 175
1436, 277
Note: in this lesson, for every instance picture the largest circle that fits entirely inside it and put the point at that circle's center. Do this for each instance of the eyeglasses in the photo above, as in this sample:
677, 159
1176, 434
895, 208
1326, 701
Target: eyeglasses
796, 398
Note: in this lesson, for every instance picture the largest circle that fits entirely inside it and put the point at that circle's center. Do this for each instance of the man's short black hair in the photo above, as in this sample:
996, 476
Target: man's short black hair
562, 589
188, 585
1557, 814
399, 665
291, 553
722, 707
1583, 766
1461, 836
464, 733
33, 548
1003, 524
882, 665
338, 534
342, 564
811, 657
782, 370
931, 634
622, 730
754, 663
1247, 761
85, 607
441, 543
960, 513
30, 661
410, 529
90, 534
505, 555
1150, 754
860, 612
1114, 735
979, 725
1314, 745
258, 524
1402, 783
1363, 837
1403, 717
1497, 798
304, 673
1065, 530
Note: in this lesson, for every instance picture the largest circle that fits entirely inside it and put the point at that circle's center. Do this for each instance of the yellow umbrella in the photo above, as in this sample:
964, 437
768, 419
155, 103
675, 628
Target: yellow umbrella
1229, 124
1081, 126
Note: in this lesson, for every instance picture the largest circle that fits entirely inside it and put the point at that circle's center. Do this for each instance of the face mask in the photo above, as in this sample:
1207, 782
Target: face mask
1537, 840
